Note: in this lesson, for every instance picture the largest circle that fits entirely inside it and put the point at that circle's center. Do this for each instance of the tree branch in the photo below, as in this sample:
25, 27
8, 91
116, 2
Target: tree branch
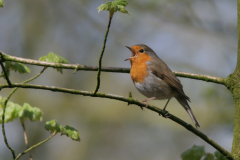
232, 84
76, 67
101, 55
26, 138
129, 100
4, 71
206, 78
3, 127
38, 144
4, 110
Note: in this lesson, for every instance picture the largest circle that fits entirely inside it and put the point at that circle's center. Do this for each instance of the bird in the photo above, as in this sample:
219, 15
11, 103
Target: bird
155, 80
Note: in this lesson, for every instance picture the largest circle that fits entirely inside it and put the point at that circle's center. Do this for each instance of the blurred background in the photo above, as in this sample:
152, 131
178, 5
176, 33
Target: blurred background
189, 35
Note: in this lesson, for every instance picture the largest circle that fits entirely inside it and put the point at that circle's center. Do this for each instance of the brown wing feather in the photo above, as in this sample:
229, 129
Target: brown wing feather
162, 71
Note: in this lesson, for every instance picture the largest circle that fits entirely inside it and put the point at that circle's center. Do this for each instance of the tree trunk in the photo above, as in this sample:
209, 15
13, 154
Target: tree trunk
233, 84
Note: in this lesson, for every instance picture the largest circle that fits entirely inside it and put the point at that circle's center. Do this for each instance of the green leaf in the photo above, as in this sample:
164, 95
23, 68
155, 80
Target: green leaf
71, 132
219, 156
209, 156
194, 153
29, 112
54, 58
102, 7
21, 68
11, 112
122, 9
14, 111
1, 102
1, 3
17, 67
121, 2
53, 126
114, 6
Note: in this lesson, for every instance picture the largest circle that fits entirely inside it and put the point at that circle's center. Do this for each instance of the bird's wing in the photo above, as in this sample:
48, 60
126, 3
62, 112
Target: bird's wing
163, 72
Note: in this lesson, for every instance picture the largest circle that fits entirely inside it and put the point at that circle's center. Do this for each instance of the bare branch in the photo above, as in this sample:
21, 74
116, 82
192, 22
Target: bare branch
206, 78
101, 55
26, 138
3, 128
36, 145
129, 100
76, 67
4, 70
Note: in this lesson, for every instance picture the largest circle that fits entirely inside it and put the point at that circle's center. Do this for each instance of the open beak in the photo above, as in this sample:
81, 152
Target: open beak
133, 53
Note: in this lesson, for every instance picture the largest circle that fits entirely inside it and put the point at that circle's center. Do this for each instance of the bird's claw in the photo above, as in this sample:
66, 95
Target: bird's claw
145, 103
165, 114
143, 107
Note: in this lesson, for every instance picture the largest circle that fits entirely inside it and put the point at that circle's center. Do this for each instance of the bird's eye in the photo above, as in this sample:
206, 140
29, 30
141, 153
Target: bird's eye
141, 51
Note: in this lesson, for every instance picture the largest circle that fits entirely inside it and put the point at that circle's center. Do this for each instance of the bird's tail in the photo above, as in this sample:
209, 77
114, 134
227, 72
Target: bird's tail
184, 103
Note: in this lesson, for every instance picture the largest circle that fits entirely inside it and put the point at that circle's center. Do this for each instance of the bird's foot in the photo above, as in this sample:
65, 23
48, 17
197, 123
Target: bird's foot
145, 101
144, 106
165, 114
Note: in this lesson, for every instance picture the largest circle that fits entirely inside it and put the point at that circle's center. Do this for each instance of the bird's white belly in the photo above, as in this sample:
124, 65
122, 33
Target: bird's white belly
152, 86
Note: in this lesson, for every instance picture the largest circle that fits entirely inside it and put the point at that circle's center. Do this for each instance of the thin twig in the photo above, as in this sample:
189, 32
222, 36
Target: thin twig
3, 131
129, 101
4, 71
26, 138
101, 55
14, 90
206, 78
4, 110
36, 145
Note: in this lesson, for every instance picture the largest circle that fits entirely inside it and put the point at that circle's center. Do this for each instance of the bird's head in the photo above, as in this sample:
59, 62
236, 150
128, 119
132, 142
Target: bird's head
141, 53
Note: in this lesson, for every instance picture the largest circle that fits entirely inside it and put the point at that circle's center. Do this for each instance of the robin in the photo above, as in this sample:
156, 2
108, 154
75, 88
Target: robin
155, 80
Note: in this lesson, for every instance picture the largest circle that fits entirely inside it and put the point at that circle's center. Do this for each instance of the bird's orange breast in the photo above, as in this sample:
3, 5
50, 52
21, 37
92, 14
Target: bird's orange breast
139, 67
